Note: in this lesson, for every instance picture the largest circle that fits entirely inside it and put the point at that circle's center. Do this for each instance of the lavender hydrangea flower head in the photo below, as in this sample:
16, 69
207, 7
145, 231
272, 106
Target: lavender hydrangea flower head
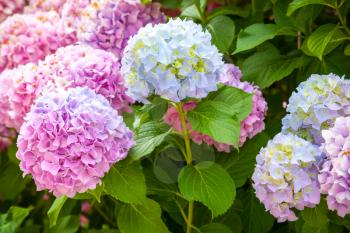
108, 24
10, 7
315, 105
82, 65
29, 38
19, 88
250, 126
285, 176
334, 176
70, 140
6, 137
174, 60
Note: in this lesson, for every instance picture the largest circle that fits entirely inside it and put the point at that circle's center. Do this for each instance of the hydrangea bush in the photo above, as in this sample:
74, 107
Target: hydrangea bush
186, 116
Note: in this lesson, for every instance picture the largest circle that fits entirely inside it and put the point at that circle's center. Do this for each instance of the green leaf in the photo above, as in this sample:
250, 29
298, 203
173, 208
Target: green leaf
317, 42
347, 50
241, 165
55, 209
240, 102
126, 182
145, 218
67, 224
215, 228
91, 194
232, 220
296, 4
214, 119
157, 109
310, 229
10, 222
11, 152
228, 10
148, 137
156, 186
222, 29
256, 34
11, 181
210, 184
316, 217
266, 67
254, 216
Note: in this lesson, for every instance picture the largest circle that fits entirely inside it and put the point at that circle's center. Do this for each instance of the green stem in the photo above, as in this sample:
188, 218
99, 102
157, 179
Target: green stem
201, 14
253, 7
189, 217
182, 115
342, 21
188, 157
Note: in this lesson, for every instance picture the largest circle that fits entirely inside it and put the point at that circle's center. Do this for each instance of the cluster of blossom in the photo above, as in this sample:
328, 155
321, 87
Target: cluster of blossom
315, 105
64, 102
285, 176
175, 60
29, 38
250, 126
70, 139
318, 112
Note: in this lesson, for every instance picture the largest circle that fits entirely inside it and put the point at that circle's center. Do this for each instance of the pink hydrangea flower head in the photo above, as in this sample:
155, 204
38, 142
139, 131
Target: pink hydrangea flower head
334, 176
19, 88
29, 38
6, 137
46, 5
108, 24
250, 126
71, 14
70, 139
285, 176
10, 7
82, 65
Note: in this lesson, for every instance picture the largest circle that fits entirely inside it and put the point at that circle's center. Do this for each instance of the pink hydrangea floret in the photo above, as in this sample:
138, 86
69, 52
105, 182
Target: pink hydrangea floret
10, 7
250, 126
82, 65
70, 139
29, 38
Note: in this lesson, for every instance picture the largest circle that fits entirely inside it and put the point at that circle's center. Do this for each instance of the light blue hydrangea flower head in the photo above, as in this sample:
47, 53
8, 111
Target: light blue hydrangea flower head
285, 176
175, 60
315, 105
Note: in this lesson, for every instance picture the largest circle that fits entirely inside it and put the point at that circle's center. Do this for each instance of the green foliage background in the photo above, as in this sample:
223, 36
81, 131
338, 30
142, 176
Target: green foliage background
277, 44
